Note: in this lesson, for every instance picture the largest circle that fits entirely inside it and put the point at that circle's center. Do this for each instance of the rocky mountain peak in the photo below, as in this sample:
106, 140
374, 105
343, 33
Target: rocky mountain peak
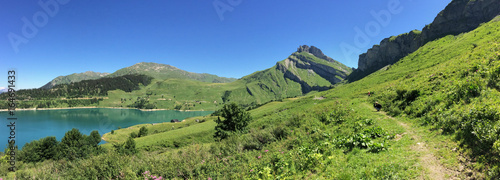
314, 51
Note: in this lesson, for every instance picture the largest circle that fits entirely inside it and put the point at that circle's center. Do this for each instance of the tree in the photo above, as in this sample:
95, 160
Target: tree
94, 139
48, 148
39, 150
133, 135
126, 148
236, 119
143, 131
72, 144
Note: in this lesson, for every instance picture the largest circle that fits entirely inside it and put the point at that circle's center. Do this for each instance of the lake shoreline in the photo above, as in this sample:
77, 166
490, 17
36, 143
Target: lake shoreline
90, 107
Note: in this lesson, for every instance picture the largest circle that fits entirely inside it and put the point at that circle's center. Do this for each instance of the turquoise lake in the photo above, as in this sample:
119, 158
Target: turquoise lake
33, 125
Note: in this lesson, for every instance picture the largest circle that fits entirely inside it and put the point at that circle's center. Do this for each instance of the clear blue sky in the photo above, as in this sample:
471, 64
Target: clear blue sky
250, 35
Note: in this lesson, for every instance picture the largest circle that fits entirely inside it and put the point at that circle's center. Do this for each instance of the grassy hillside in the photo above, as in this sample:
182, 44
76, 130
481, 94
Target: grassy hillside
75, 77
257, 88
163, 71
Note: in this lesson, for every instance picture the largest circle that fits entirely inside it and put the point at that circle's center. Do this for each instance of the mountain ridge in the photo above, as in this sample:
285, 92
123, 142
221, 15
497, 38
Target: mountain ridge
459, 16
75, 77
165, 71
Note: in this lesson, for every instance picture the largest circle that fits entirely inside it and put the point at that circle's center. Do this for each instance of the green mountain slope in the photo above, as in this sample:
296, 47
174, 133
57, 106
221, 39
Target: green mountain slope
299, 74
76, 77
163, 71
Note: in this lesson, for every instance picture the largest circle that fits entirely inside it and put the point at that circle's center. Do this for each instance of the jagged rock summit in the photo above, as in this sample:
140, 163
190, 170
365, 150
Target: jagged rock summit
314, 51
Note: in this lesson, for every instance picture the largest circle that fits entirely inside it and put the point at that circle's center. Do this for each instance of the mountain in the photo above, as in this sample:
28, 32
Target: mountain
305, 70
458, 17
163, 71
75, 77
3, 89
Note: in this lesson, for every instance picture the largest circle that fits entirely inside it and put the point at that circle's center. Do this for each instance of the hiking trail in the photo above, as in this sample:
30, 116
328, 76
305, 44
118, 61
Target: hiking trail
433, 168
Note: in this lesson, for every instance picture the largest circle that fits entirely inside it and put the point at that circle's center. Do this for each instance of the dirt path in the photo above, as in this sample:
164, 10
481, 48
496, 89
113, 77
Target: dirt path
434, 169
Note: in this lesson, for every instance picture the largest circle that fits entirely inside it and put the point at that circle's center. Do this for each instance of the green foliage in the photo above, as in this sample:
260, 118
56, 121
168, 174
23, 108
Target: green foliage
337, 116
86, 88
364, 140
143, 131
43, 149
75, 145
235, 120
126, 148
133, 135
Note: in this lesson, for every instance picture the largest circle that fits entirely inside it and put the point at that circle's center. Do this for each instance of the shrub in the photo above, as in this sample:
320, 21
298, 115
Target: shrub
143, 131
235, 120
126, 148
133, 135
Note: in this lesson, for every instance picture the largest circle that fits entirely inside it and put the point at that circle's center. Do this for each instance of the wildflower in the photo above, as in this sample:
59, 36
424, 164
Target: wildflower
266, 150
220, 154
251, 170
259, 157
209, 178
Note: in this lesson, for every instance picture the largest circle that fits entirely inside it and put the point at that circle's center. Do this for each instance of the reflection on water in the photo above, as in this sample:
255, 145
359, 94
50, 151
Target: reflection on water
33, 125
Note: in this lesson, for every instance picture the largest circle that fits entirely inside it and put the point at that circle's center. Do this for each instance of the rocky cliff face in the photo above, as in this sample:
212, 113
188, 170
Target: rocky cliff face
458, 17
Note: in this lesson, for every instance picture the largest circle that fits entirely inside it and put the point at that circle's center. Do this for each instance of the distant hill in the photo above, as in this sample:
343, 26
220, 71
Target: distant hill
75, 77
163, 71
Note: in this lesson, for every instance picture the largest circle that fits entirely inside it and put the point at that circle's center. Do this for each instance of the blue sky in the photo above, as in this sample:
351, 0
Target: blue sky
232, 38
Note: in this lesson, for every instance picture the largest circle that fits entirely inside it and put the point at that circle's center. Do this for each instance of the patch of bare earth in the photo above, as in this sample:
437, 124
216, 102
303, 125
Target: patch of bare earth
428, 161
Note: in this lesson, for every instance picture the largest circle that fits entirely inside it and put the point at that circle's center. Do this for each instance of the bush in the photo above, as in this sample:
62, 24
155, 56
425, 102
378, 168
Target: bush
143, 132
126, 148
133, 135
235, 120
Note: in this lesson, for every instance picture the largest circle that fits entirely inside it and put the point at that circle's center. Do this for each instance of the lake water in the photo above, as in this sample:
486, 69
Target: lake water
33, 125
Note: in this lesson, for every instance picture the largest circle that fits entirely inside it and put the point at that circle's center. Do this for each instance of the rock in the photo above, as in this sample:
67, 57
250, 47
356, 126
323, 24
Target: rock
314, 51
458, 17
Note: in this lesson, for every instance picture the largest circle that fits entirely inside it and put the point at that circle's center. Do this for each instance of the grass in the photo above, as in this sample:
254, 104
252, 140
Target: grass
164, 134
